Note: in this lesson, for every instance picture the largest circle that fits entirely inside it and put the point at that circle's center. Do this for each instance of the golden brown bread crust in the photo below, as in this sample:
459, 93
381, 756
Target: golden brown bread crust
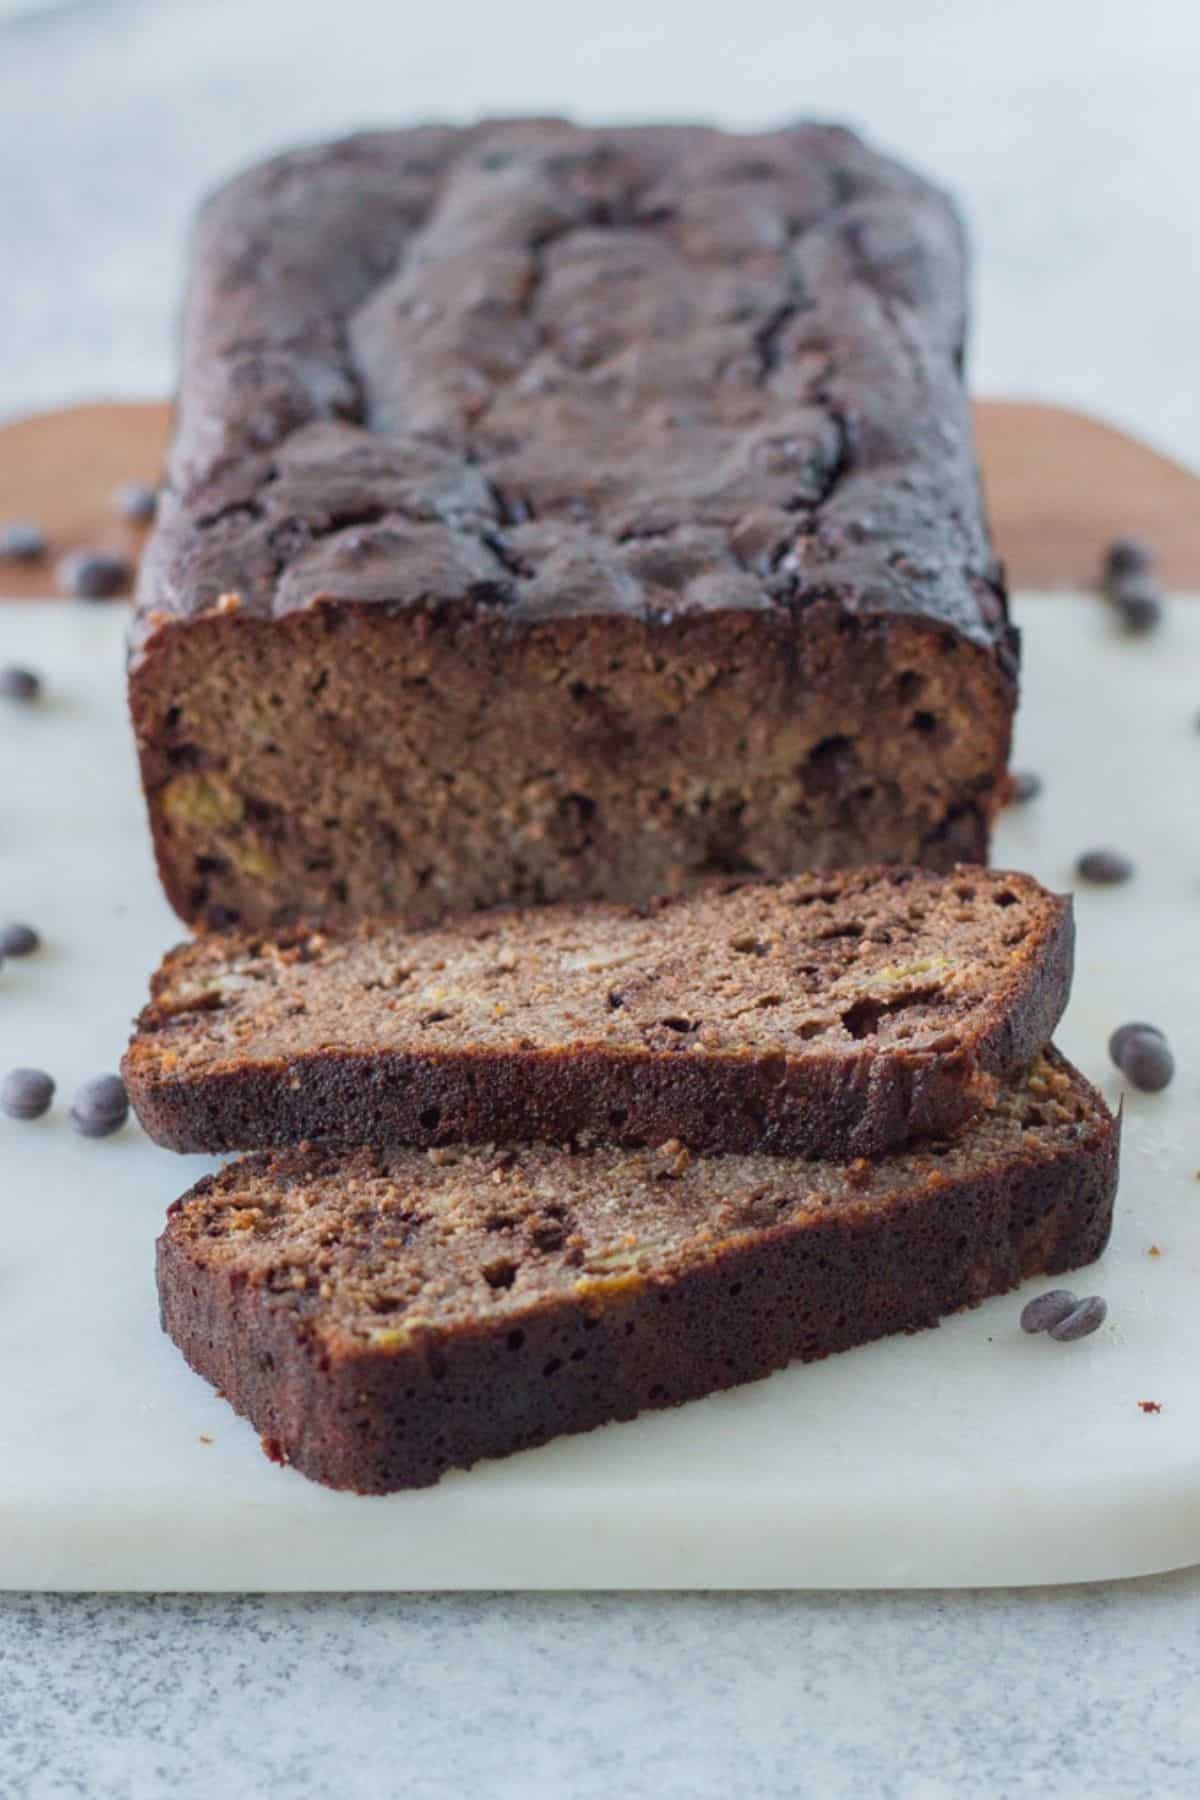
832, 1015
432, 1362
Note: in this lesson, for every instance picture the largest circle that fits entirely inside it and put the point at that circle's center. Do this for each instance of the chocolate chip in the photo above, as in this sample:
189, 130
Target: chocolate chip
1048, 1309
1146, 1060
1025, 786
1087, 1317
22, 542
135, 501
1105, 867
1122, 1035
1127, 556
18, 940
93, 574
1139, 605
26, 1093
19, 684
101, 1106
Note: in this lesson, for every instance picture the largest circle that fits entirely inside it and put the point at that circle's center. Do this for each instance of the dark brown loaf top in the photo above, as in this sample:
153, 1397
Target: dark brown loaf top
381, 1317
558, 513
821, 1016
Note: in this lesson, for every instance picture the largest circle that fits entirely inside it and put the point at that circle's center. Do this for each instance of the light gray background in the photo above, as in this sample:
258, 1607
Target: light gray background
1071, 132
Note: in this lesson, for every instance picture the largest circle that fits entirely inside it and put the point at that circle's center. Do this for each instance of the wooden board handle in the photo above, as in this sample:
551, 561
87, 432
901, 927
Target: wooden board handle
1059, 485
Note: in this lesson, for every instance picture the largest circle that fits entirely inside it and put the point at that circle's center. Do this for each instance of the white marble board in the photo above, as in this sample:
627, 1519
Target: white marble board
970, 1455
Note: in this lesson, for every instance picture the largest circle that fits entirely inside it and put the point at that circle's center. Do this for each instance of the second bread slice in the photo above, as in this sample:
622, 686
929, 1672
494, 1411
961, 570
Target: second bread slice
382, 1316
825, 1015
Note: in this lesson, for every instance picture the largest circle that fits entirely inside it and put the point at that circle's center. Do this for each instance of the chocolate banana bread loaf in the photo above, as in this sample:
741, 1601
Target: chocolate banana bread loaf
382, 1317
560, 513
824, 1015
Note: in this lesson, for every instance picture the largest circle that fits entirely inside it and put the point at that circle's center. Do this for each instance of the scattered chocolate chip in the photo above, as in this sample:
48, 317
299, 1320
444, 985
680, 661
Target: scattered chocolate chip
1139, 605
1146, 1061
1127, 556
1026, 786
1150, 1406
93, 574
18, 940
101, 1106
1122, 1035
19, 684
22, 542
1105, 867
1087, 1317
1129, 582
135, 501
26, 1093
1048, 1309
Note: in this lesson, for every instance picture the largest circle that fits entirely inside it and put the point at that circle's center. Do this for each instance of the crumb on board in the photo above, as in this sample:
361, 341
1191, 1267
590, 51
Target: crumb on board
205, 1439
1154, 1250
1150, 1406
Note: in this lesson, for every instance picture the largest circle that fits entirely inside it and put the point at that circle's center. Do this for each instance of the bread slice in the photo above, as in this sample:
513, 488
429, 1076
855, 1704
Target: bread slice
825, 1015
381, 1317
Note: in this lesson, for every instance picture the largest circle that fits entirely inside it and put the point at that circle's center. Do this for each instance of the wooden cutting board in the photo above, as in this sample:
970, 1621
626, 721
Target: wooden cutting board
1059, 485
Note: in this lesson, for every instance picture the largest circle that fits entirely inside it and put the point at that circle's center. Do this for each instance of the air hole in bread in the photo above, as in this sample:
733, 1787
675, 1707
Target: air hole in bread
862, 1019
500, 1274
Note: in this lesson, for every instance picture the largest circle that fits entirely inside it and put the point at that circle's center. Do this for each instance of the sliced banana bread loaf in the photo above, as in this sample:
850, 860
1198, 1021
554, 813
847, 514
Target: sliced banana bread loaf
823, 1015
557, 513
381, 1317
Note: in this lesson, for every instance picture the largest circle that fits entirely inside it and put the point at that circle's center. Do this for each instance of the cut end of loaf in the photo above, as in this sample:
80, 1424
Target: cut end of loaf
349, 761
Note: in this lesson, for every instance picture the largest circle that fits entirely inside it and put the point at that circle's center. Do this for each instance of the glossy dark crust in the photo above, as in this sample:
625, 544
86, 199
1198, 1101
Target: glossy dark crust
522, 376
367, 398
852, 1102
375, 1422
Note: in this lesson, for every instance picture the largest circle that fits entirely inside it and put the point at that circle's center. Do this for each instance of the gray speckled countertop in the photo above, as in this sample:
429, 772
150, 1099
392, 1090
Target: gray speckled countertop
1065, 128
1089, 1691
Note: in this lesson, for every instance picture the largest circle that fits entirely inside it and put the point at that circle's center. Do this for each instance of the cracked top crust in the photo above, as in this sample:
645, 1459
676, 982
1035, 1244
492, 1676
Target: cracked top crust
548, 370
